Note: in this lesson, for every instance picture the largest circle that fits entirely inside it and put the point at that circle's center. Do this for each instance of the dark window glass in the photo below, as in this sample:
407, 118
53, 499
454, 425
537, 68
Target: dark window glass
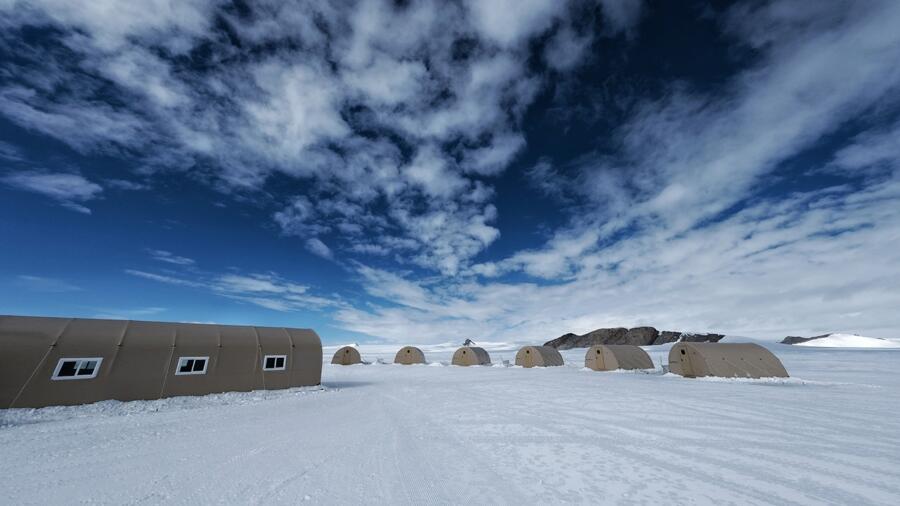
187, 366
270, 362
67, 369
87, 368
279, 362
199, 365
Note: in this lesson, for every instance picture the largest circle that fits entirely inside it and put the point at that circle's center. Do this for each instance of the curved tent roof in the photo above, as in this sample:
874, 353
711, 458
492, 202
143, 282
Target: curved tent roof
134, 360
409, 355
471, 355
347, 355
728, 360
538, 356
609, 357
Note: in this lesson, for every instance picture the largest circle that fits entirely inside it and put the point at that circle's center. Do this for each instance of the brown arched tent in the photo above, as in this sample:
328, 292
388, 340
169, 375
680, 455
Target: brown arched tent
409, 355
538, 356
728, 360
609, 357
65, 361
347, 355
471, 355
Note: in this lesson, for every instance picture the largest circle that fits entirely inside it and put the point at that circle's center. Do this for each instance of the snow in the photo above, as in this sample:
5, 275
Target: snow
439, 434
850, 341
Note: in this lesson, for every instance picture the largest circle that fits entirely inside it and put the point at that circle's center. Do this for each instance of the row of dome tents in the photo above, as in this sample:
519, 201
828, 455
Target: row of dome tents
730, 360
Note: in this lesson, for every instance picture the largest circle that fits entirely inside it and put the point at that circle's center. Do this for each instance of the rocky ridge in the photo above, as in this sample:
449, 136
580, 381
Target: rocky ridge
638, 336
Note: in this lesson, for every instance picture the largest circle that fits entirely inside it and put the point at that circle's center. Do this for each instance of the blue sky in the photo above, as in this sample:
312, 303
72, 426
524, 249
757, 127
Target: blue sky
433, 171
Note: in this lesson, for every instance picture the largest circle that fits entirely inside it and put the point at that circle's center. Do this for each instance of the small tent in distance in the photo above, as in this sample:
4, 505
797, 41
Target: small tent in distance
347, 355
609, 357
471, 355
538, 356
409, 355
727, 360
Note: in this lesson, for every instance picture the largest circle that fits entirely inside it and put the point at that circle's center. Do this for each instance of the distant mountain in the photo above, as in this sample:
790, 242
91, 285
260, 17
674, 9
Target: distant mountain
841, 341
639, 336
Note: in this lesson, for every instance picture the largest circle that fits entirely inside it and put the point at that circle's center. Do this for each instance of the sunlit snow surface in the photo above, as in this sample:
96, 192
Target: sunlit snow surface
440, 434
850, 341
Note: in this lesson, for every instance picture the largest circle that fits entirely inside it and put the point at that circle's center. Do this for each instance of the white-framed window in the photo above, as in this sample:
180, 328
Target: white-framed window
274, 362
191, 365
77, 368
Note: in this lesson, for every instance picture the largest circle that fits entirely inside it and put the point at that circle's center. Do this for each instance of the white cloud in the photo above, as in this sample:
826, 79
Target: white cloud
384, 105
171, 258
267, 290
45, 284
70, 190
319, 248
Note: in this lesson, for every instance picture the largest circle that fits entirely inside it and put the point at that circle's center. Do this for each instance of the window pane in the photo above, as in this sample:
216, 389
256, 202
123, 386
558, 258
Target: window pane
279, 362
199, 365
186, 366
87, 368
68, 368
270, 362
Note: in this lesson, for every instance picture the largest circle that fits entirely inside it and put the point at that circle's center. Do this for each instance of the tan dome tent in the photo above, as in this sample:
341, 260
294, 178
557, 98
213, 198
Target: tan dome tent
728, 360
348, 355
471, 355
538, 356
609, 357
409, 355
65, 361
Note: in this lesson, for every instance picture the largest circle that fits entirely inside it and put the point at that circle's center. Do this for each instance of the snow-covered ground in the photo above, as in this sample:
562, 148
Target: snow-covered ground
850, 341
438, 434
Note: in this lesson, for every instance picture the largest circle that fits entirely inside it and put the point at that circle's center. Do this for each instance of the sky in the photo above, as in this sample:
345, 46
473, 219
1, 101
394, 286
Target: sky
431, 171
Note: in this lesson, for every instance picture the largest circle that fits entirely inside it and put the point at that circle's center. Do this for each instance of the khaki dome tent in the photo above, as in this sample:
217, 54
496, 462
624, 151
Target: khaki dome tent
65, 361
409, 355
609, 357
728, 360
471, 355
348, 355
538, 356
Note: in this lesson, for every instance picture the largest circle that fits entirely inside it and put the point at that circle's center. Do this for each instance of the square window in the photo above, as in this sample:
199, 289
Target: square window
274, 362
67, 369
191, 365
87, 368
77, 368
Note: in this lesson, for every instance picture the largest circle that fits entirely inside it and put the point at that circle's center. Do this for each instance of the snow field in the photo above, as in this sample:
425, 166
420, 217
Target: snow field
434, 434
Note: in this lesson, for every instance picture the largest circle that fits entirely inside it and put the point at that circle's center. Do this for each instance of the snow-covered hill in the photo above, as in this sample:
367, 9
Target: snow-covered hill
850, 341
438, 434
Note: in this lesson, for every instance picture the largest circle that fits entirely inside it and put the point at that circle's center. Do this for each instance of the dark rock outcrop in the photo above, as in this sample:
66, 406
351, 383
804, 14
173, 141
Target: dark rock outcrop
798, 339
667, 336
701, 338
638, 336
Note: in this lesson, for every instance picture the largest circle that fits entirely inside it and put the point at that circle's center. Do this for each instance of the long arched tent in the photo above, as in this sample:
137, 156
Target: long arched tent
538, 356
409, 355
471, 355
609, 357
347, 355
728, 360
65, 361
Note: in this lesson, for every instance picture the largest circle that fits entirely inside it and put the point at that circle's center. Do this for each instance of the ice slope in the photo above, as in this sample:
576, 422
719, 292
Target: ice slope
436, 434
850, 341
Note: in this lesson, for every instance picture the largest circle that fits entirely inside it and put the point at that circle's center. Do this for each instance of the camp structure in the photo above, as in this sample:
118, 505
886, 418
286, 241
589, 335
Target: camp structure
728, 360
347, 355
609, 357
471, 355
409, 355
538, 356
66, 361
